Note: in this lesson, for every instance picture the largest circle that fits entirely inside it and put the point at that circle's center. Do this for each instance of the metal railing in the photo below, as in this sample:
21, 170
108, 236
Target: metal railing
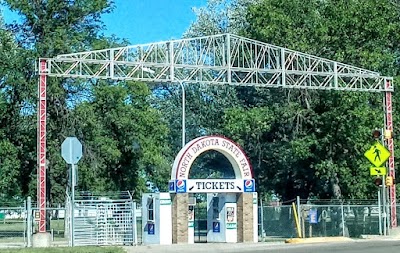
104, 223
97, 221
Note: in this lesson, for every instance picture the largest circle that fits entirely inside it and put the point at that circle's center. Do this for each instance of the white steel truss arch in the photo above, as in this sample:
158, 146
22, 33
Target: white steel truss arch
218, 59
224, 59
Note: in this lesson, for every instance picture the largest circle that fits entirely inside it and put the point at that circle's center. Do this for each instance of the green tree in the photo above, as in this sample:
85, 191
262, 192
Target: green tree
123, 137
315, 140
249, 127
16, 131
330, 130
49, 28
204, 110
363, 33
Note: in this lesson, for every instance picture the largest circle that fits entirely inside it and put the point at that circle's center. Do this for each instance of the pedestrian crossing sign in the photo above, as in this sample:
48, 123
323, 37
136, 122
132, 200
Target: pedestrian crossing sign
377, 154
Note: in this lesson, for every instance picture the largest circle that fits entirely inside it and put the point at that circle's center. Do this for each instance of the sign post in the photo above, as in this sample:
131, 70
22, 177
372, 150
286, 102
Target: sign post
384, 206
378, 155
71, 151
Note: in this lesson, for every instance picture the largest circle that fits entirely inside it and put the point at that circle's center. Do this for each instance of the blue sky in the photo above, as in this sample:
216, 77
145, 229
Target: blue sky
143, 21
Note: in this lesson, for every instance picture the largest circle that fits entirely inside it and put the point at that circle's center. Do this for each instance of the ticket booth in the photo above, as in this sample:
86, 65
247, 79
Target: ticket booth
221, 217
156, 218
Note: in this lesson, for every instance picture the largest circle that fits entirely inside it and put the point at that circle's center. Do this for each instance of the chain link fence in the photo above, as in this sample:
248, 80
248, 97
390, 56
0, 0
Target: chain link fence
353, 218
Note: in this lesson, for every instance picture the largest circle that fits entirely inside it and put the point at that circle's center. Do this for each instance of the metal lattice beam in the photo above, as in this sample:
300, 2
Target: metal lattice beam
217, 59
41, 147
390, 163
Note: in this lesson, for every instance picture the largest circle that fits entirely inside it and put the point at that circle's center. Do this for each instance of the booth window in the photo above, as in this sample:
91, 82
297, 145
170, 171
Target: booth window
215, 206
150, 209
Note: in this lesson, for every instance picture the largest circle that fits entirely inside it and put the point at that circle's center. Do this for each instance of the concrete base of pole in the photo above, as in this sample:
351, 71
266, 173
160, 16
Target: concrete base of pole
41, 240
395, 232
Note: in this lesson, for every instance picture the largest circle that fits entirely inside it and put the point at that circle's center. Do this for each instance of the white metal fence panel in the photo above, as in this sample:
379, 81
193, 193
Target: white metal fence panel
109, 222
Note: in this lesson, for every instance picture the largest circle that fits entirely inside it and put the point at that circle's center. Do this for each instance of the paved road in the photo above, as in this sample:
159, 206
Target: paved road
361, 246
357, 246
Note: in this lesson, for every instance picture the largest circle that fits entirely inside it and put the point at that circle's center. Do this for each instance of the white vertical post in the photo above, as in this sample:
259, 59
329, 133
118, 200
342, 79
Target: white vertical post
72, 202
262, 217
255, 217
385, 214
111, 69
228, 59
191, 224
134, 224
380, 212
29, 221
183, 114
388, 214
283, 66
384, 205
164, 219
171, 60
335, 75
343, 225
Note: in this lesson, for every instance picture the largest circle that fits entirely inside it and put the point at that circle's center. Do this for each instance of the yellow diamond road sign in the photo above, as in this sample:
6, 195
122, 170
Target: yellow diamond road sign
377, 171
377, 154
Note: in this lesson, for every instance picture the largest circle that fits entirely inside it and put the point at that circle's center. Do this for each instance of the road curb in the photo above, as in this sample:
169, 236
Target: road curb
319, 240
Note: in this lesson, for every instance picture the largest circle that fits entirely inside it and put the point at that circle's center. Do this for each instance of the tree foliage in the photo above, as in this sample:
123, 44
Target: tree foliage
122, 135
310, 143
300, 142
330, 130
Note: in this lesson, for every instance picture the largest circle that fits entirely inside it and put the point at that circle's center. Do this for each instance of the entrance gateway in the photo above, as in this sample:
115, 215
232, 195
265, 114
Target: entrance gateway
231, 203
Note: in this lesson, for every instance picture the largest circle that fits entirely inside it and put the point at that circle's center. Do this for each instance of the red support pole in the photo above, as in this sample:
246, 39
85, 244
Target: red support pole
390, 146
41, 145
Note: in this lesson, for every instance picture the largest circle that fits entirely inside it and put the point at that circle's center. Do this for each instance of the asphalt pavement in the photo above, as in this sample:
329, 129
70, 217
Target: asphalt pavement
306, 245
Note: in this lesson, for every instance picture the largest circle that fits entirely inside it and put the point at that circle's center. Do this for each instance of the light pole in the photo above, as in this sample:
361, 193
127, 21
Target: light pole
150, 71
183, 114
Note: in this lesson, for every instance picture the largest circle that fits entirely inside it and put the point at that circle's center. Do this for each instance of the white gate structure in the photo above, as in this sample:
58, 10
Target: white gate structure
223, 59
103, 221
